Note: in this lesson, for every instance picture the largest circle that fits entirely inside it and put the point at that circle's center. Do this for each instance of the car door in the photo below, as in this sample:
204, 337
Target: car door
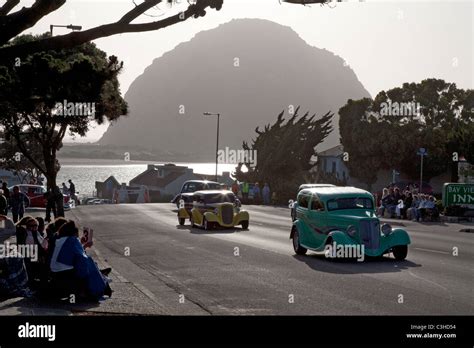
317, 217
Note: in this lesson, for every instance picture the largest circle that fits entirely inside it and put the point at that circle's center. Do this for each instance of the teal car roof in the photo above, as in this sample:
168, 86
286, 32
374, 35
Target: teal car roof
327, 193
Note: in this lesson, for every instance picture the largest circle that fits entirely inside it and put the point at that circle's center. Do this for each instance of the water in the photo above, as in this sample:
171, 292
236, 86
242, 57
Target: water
84, 176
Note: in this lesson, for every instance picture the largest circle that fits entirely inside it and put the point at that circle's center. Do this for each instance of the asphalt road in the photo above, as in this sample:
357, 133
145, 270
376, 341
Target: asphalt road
192, 271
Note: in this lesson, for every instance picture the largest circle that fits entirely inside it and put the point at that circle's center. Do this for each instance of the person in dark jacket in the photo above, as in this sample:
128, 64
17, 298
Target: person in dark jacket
50, 205
73, 271
3, 204
17, 202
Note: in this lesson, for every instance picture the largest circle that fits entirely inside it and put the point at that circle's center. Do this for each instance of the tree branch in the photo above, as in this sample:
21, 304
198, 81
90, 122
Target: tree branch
138, 10
8, 6
17, 22
77, 38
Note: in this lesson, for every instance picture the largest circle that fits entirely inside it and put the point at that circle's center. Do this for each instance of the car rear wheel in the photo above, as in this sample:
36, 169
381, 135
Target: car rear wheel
245, 225
192, 221
400, 252
181, 221
299, 250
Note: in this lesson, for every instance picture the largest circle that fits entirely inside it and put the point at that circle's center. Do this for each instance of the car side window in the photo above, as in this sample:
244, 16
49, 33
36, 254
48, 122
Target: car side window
191, 187
316, 204
303, 201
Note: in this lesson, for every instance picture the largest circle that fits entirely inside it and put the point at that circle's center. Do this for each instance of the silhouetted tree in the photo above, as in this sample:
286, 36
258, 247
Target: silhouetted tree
284, 151
440, 119
33, 94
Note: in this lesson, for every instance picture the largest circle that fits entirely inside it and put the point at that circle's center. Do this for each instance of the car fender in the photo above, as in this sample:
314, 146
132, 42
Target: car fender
297, 225
340, 238
242, 215
398, 237
211, 217
183, 213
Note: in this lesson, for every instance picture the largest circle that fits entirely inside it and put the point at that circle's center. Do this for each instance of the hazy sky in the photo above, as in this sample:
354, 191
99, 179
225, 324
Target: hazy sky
386, 43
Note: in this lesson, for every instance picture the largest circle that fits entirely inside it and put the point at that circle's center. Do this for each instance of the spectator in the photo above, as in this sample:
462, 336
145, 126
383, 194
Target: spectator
245, 191
3, 204
407, 202
388, 202
256, 193
27, 234
429, 208
59, 201
72, 190
13, 274
17, 202
235, 187
64, 189
73, 271
266, 194
50, 205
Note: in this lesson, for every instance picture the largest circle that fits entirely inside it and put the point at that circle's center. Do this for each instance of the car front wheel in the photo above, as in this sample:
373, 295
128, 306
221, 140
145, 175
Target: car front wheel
245, 225
181, 221
400, 252
206, 224
299, 250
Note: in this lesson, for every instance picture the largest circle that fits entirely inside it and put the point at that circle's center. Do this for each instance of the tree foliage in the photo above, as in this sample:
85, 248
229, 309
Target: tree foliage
31, 92
441, 122
284, 151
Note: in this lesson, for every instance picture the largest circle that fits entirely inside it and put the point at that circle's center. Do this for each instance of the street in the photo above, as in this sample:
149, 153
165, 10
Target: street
189, 271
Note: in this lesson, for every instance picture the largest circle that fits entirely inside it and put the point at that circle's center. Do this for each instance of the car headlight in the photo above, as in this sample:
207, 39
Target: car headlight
351, 231
386, 229
216, 211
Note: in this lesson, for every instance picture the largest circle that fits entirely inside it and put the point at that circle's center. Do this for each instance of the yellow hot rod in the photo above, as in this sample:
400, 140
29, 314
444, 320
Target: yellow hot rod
212, 209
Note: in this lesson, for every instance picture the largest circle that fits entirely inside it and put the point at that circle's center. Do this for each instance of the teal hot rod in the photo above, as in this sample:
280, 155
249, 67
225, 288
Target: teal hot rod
344, 216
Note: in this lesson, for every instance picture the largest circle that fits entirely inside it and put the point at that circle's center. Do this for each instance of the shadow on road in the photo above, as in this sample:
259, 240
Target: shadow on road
198, 230
384, 264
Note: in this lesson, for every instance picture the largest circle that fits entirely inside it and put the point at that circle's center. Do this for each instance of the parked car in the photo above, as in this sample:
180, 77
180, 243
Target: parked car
217, 208
293, 204
192, 186
36, 195
344, 216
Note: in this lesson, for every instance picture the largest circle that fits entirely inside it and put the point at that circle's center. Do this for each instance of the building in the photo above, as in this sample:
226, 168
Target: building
166, 179
105, 190
331, 161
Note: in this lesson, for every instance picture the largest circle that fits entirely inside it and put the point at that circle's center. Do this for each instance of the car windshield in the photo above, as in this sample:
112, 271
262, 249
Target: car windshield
350, 203
212, 186
219, 198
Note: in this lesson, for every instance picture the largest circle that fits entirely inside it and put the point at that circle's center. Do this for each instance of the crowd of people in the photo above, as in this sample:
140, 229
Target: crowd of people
16, 201
407, 204
260, 195
62, 267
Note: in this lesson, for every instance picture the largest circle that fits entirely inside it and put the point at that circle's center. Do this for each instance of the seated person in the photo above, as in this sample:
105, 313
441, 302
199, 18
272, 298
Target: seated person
27, 234
72, 270
430, 208
13, 274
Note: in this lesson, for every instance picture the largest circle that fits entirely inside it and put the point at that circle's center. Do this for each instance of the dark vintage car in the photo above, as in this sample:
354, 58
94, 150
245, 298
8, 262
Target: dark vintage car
191, 186
212, 209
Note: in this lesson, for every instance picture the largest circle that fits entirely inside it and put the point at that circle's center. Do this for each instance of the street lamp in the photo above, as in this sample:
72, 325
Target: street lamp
422, 153
70, 26
217, 143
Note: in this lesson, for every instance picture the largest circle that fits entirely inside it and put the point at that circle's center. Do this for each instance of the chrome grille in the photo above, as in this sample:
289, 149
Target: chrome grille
370, 233
227, 212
